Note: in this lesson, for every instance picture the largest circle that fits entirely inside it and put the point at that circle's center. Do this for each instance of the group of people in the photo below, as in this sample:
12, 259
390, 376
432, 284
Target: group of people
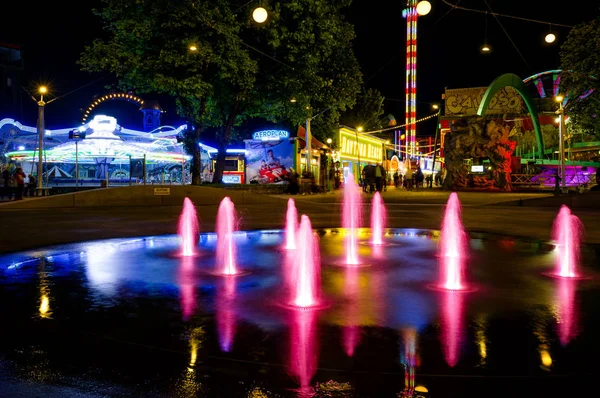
14, 184
373, 178
417, 179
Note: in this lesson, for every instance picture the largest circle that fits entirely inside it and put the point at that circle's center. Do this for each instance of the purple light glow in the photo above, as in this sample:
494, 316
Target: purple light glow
351, 214
452, 325
188, 228
226, 315
567, 231
378, 219
453, 246
304, 351
306, 267
226, 225
291, 225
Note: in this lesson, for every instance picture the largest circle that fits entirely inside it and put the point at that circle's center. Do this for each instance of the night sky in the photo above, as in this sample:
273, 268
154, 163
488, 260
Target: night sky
53, 35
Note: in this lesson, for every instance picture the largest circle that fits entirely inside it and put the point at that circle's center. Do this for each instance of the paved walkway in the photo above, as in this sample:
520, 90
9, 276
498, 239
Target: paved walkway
482, 212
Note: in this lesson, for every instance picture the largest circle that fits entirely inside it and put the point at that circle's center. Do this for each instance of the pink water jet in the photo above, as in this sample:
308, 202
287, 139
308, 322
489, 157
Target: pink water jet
567, 231
452, 325
351, 216
306, 267
378, 219
453, 246
304, 353
226, 315
291, 225
188, 228
226, 226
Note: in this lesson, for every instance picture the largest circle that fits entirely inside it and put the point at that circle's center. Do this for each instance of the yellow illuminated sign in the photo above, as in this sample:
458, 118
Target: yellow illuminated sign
369, 149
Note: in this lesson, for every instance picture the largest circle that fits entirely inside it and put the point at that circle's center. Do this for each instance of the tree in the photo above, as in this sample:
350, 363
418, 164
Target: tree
367, 112
146, 49
240, 70
580, 79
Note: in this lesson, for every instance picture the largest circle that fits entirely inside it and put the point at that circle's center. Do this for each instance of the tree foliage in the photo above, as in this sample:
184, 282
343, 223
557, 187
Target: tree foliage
368, 112
580, 62
240, 70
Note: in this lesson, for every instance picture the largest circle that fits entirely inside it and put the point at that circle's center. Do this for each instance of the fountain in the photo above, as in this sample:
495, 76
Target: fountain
567, 232
291, 225
188, 228
453, 246
306, 267
378, 219
351, 214
226, 223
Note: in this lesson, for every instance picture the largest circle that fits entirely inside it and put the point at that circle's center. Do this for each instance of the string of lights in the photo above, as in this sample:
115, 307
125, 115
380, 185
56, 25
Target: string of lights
496, 14
402, 125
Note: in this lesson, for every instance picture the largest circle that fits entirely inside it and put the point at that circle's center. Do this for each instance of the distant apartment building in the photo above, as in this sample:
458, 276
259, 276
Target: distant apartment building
11, 94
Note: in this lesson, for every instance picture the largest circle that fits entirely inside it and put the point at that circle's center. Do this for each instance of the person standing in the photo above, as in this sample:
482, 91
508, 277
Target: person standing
19, 180
31, 186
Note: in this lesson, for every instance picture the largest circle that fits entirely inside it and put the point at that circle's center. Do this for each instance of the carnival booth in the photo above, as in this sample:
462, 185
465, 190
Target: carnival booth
357, 150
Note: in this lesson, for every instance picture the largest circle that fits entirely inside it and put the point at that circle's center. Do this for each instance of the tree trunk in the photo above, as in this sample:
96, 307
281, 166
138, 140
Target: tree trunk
196, 162
223, 142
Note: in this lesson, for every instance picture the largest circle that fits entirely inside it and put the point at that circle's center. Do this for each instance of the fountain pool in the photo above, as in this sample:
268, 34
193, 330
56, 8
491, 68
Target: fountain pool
136, 316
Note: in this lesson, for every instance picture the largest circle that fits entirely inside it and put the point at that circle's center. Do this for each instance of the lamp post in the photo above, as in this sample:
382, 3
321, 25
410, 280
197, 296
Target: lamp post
561, 140
358, 130
329, 163
41, 104
437, 134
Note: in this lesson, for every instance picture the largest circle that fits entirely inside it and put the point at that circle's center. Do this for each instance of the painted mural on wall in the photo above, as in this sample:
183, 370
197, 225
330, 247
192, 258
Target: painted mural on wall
478, 139
466, 101
269, 162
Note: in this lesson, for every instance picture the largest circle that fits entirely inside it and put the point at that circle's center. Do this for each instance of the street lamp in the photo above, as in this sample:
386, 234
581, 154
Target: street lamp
437, 134
259, 14
359, 129
329, 163
41, 104
423, 7
561, 143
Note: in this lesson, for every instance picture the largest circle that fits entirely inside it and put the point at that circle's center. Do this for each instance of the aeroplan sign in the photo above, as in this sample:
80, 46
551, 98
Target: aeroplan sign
270, 135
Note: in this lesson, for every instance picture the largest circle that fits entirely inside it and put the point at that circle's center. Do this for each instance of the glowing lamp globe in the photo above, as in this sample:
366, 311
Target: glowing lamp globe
423, 7
259, 15
550, 37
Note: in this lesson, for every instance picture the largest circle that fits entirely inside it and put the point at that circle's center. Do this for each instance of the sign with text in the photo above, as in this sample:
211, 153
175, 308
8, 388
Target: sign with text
353, 146
270, 135
466, 101
162, 191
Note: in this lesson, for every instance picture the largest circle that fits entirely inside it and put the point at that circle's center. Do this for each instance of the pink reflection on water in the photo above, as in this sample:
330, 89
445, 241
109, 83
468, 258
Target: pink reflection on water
307, 268
188, 228
567, 231
226, 315
351, 332
187, 289
291, 225
567, 311
351, 216
409, 359
453, 246
226, 226
378, 219
304, 353
452, 320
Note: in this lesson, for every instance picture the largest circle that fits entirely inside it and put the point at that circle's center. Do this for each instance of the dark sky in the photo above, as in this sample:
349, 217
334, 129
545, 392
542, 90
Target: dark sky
52, 35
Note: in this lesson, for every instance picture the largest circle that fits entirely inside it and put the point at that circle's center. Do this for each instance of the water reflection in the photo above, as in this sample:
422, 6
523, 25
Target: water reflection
187, 288
304, 352
351, 332
566, 312
452, 314
480, 338
44, 309
409, 360
226, 314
